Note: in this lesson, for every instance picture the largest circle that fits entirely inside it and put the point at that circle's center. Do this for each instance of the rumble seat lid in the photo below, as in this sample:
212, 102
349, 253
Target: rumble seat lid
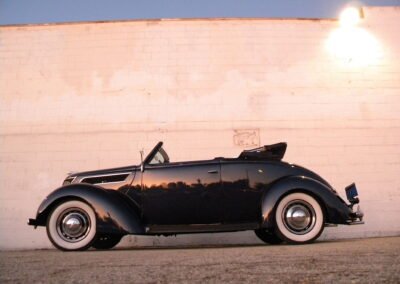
267, 152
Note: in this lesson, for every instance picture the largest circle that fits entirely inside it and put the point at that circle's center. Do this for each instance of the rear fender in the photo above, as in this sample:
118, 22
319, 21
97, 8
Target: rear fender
336, 211
115, 214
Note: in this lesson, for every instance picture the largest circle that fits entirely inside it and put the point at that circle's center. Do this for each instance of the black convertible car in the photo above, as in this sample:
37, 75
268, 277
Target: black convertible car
256, 191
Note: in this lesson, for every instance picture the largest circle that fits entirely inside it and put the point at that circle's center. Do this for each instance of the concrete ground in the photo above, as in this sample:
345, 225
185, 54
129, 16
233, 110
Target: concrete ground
358, 260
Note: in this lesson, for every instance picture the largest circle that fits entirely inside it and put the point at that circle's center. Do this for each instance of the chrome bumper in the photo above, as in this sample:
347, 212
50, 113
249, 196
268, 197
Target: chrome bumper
356, 217
32, 222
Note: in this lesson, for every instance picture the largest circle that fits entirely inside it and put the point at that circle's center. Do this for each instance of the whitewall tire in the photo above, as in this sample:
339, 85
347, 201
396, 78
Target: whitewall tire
299, 218
72, 226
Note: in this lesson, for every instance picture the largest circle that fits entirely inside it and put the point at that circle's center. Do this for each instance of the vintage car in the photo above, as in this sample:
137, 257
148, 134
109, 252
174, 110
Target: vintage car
257, 191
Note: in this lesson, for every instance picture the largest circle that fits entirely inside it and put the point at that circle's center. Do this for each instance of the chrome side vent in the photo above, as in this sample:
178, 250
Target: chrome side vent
106, 178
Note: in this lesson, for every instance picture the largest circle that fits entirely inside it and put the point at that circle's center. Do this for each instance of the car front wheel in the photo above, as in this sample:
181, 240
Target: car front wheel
72, 226
299, 218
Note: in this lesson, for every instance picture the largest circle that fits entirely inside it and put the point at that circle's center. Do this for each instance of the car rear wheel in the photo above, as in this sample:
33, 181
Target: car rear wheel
299, 218
72, 226
268, 236
106, 242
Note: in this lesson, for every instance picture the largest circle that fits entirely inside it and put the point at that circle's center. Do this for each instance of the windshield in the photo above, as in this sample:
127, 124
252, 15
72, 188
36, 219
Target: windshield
160, 157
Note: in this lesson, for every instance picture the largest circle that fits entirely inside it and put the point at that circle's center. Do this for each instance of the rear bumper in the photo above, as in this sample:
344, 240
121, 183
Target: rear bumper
355, 216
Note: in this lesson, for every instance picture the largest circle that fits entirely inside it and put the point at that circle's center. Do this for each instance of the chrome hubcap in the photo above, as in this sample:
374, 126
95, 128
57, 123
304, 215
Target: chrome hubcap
298, 217
73, 225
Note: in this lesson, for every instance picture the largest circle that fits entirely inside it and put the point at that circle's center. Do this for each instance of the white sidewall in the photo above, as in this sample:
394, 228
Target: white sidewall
52, 225
319, 222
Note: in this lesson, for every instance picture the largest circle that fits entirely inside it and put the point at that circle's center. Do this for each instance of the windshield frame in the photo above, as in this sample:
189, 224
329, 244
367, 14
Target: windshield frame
163, 154
157, 149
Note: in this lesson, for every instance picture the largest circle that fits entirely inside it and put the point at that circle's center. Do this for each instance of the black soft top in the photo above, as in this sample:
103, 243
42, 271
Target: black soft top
267, 152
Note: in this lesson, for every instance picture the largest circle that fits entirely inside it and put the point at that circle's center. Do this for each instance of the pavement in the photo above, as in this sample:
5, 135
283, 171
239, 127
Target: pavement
375, 260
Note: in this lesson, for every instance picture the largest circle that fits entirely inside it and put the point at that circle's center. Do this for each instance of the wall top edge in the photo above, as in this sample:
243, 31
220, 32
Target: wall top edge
169, 20
371, 13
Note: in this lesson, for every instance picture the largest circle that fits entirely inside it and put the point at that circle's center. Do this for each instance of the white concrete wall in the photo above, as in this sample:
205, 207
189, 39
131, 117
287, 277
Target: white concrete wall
91, 95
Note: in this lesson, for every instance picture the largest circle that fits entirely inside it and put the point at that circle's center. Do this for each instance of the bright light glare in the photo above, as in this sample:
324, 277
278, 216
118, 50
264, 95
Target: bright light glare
350, 17
354, 46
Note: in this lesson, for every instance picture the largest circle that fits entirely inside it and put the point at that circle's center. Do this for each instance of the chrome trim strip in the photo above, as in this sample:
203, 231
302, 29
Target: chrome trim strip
110, 182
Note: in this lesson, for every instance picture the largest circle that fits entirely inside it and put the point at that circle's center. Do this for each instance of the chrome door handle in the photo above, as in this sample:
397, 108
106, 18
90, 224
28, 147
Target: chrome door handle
213, 171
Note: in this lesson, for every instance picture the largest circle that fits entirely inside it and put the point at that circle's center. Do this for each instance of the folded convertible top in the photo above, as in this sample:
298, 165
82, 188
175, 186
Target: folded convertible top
273, 152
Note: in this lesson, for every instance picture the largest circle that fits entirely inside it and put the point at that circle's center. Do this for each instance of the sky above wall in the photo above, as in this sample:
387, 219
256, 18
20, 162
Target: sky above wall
50, 11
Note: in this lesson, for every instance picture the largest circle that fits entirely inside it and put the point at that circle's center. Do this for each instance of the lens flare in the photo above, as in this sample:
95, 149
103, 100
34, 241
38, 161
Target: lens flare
352, 44
350, 17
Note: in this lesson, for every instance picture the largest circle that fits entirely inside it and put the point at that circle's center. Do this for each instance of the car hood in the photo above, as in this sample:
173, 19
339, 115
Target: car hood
104, 171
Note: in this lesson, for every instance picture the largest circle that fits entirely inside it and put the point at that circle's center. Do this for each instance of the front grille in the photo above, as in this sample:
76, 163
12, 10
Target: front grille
68, 180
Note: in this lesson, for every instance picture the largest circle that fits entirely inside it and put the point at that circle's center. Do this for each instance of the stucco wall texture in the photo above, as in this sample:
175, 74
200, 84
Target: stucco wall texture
85, 96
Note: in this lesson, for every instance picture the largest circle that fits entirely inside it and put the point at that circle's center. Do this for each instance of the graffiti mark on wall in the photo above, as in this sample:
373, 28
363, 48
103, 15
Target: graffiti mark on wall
246, 137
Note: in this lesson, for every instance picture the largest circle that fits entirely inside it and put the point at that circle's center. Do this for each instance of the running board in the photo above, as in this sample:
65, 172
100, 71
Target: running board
356, 223
199, 228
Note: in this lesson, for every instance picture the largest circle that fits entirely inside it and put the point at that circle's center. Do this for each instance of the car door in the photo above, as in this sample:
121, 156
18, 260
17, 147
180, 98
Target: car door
182, 193
242, 186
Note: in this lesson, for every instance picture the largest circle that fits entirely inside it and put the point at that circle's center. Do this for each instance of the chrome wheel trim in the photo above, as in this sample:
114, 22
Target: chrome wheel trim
298, 216
73, 225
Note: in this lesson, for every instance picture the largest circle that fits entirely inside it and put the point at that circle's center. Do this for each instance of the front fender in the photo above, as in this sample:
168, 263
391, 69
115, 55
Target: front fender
336, 211
114, 213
